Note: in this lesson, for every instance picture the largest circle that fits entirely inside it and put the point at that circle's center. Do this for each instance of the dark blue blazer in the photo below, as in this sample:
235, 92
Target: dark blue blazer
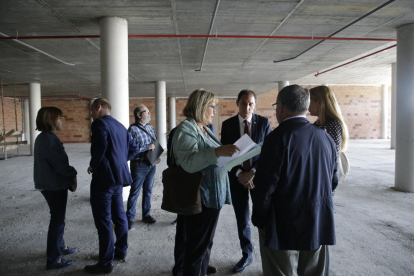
51, 163
212, 128
295, 174
111, 148
230, 133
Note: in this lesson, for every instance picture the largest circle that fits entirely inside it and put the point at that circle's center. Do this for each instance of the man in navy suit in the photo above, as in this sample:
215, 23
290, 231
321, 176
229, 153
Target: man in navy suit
292, 200
241, 177
111, 148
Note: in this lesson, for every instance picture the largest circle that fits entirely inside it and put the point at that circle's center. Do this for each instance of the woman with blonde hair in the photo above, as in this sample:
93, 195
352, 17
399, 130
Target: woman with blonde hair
53, 176
324, 105
195, 148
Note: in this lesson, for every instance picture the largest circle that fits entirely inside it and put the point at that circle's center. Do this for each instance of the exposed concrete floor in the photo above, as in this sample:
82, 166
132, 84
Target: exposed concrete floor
374, 222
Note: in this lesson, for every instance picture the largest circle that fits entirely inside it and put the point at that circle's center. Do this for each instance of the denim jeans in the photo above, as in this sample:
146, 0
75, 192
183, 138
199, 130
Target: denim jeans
57, 204
142, 176
107, 205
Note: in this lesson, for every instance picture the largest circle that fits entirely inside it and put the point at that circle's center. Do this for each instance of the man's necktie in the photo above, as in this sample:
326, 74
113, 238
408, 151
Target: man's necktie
246, 164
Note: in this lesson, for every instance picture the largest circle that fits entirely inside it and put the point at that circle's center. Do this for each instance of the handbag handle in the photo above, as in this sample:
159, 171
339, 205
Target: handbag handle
170, 151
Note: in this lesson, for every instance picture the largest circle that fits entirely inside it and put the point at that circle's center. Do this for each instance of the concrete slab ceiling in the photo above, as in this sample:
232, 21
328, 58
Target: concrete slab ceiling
229, 63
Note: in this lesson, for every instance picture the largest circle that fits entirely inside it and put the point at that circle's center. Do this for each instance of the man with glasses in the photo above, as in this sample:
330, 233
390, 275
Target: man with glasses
292, 200
241, 177
142, 170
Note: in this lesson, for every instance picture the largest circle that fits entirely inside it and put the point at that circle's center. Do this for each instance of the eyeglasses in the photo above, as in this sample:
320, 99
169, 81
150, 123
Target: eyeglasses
275, 105
145, 111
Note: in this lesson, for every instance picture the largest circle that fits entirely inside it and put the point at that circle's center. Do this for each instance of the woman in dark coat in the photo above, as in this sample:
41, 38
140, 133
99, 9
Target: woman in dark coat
53, 176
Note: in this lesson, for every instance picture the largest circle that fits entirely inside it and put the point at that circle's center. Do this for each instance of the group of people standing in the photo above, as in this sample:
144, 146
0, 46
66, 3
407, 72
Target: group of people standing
291, 182
112, 145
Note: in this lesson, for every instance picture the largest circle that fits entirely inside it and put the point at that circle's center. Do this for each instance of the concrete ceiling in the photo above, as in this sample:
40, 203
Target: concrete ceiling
230, 64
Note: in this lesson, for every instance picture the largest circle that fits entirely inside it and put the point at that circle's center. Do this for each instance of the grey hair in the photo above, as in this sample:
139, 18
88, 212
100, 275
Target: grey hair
137, 110
295, 98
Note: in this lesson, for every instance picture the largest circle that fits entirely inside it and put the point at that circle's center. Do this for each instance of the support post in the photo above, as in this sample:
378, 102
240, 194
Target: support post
161, 114
393, 104
384, 111
35, 103
404, 153
172, 111
114, 66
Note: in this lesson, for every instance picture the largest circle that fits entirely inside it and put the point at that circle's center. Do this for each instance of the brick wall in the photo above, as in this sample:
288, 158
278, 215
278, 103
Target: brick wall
148, 102
361, 109
9, 114
76, 127
360, 105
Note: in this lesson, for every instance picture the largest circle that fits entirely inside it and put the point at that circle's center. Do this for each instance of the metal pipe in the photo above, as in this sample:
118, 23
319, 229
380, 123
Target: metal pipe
214, 36
33, 48
340, 30
209, 32
15, 117
15, 108
58, 96
320, 73
4, 120
271, 34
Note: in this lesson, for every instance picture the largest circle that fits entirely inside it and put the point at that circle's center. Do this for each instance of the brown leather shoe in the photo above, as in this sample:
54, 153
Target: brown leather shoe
211, 270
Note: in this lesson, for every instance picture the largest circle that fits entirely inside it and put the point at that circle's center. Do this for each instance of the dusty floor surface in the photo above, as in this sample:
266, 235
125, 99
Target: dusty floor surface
374, 223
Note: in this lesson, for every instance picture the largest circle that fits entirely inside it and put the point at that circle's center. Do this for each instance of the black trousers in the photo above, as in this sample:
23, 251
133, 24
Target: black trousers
240, 199
179, 247
57, 204
194, 240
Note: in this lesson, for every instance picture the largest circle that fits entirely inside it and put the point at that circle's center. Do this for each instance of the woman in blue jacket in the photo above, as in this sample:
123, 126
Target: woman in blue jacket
53, 176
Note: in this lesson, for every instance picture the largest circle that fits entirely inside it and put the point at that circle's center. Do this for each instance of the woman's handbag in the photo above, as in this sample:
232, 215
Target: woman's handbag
343, 166
74, 185
181, 193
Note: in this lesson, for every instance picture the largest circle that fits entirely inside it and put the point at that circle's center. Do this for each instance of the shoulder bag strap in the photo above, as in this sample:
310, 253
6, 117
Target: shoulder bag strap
143, 129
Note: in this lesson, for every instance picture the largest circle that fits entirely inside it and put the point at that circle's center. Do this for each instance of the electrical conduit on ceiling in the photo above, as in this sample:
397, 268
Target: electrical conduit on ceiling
340, 30
320, 73
213, 36
209, 32
58, 96
33, 48
16, 39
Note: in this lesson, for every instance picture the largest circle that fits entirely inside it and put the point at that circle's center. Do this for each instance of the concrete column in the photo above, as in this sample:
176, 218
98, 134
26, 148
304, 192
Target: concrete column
35, 103
404, 153
26, 122
172, 111
393, 104
161, 113
114, 66
384, 111
282, 84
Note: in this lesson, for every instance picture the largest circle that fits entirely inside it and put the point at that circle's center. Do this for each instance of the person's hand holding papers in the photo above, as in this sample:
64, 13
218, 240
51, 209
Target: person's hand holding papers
226, 150
247, 148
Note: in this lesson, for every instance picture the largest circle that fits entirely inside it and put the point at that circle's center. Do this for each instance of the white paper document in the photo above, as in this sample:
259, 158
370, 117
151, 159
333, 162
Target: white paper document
248, 149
